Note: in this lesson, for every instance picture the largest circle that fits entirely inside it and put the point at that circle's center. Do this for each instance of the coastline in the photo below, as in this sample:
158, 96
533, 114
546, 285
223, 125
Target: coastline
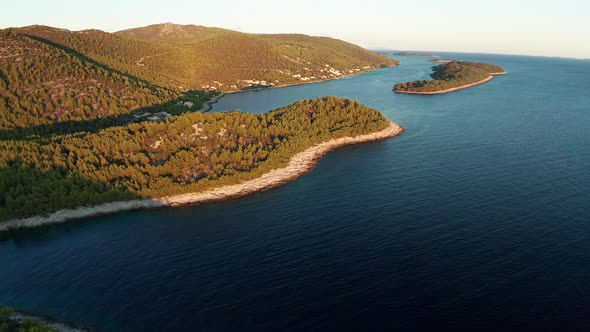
208, 106
299, 164
489, 78
61, 326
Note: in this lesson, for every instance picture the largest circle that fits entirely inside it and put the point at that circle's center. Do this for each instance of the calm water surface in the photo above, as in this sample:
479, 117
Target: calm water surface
477, 218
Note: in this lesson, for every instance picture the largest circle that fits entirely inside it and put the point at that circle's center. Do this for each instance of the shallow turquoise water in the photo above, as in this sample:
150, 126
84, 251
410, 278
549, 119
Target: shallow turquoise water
476, 218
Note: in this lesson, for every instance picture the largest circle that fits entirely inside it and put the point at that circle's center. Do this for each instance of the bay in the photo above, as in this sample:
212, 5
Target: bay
477, 218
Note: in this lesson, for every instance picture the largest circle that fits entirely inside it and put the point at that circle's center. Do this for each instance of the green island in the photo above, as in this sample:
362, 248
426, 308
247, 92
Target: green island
406, 53
182, 57
452, 76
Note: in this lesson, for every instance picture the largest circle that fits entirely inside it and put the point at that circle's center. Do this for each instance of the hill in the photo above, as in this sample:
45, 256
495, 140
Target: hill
196, 57
452, 76
56, 80
224, 55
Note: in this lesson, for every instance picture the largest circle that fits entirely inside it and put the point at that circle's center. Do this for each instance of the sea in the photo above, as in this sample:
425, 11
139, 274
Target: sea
476, 218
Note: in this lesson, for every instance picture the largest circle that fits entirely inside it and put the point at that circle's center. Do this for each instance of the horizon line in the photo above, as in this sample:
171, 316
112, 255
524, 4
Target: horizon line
380, 48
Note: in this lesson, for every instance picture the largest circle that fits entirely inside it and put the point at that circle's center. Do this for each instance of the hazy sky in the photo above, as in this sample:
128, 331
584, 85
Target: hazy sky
536, 27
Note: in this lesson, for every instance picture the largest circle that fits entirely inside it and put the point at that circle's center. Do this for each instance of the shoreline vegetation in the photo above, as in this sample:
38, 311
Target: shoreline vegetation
17, 320
450, 77
414, 54
299, 164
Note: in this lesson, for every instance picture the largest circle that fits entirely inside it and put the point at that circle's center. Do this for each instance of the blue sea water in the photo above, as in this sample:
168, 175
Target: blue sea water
477, 218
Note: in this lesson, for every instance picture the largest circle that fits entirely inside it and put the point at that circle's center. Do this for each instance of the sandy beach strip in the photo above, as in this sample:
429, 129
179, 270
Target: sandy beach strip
299, 164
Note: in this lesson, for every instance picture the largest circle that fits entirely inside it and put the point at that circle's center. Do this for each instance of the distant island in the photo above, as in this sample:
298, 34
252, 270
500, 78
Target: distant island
405, 53
438, 60
190, 158
452, 76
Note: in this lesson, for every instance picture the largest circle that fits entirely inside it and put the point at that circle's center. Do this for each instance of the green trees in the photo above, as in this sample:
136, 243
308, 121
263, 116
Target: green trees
186, 153
451, 75
27, 325
42, 84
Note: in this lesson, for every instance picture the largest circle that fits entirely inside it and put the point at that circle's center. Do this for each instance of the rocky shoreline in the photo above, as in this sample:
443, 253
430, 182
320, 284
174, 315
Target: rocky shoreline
489, 78
299, 164
58, 325
208, 105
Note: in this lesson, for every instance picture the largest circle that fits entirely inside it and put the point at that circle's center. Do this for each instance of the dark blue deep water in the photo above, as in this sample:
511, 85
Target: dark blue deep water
477, 218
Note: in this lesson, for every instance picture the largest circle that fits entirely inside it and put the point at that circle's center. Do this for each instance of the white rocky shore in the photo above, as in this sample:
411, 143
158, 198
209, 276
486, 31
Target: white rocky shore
299, 164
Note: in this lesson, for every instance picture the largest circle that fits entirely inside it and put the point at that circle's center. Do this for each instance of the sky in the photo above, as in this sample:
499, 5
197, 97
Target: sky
528, 27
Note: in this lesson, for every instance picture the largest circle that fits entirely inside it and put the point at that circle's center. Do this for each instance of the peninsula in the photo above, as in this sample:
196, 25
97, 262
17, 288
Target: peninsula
452, 76
85, 79
191, 158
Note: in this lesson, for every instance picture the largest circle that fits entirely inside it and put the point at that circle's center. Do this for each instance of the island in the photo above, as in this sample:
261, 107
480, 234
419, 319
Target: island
406, 53
186, 159
452, 76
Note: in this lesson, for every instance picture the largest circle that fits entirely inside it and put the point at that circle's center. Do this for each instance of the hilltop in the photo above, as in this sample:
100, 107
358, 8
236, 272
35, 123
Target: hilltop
233, 60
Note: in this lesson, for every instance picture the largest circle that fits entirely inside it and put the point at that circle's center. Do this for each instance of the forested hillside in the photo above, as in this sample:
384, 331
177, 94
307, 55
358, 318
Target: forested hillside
56, 80
451, 75
196, 57
186, 153
43, 84
89, 117
112, 50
